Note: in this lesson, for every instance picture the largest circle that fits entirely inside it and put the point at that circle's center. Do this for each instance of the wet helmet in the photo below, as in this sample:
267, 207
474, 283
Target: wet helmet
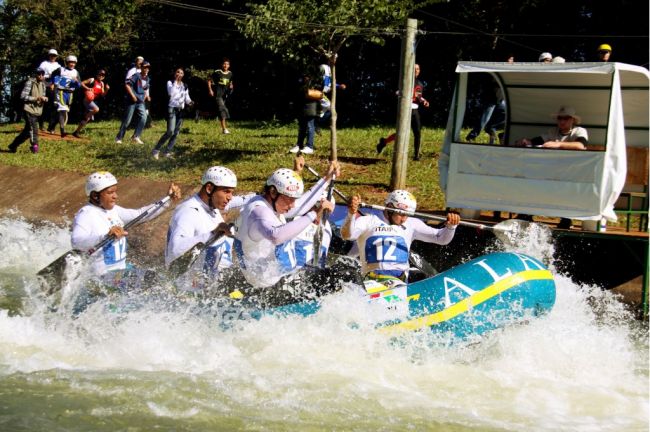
401, 199
287, 182
99, 181
219, 176
71, 58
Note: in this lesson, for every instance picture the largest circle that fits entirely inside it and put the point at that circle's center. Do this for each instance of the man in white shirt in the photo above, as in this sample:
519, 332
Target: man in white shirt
49, 66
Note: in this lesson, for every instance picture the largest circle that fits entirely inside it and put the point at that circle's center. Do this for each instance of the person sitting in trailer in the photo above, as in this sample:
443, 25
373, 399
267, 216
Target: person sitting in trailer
264, 240
567, 135
102, 216
384, 242
200, 216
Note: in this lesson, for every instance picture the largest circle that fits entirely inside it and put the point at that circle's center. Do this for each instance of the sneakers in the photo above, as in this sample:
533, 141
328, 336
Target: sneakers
76, 134
13, 148
381, 145
226, 132
294, 149
155, 154
137, 140
118, 141
307, 150
63, 134
34, 148
169, 155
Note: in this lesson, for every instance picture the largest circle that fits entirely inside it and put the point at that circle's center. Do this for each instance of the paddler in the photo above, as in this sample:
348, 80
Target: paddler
201, 216
102, 216
265, 241
384, 242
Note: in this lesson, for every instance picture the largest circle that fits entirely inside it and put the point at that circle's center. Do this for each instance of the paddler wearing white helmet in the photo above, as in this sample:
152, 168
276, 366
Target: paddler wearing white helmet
198, 217
264, 239
384, 241
102, 216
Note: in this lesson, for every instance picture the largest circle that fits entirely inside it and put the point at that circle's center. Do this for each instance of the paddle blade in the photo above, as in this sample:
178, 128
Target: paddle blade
54, 273
181, 264
514, 232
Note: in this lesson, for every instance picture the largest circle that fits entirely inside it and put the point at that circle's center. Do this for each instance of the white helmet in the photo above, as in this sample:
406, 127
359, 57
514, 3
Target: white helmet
401, 199
71, 58
99, 181
287, 182
219, 176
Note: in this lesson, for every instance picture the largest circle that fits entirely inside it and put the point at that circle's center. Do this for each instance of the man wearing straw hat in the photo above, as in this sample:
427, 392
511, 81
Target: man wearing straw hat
567, 135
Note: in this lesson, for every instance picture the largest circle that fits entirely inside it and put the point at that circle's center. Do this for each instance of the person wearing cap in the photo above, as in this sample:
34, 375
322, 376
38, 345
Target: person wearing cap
137, 93
200, 216
567, 135
545, 57
384, 241
64, 81
33, 95
93, 89
49, 66
264, 240
604, 52
135, 67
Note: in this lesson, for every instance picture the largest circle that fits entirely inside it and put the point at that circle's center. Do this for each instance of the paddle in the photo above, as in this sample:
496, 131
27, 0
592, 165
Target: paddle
318, 236
181, 264
414, 258
53, 272
507, 231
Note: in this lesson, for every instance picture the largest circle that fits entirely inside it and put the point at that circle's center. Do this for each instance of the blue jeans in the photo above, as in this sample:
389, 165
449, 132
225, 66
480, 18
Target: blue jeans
485, 118
306, 128
174, 123
128, 115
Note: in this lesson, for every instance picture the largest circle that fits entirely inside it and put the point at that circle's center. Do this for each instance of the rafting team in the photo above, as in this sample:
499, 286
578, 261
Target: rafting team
267, 238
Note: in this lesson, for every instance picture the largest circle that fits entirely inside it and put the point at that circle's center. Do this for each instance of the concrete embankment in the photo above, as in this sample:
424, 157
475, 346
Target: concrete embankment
50, 195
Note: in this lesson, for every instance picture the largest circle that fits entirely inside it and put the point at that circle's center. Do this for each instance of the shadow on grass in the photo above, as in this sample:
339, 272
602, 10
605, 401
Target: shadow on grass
357, 160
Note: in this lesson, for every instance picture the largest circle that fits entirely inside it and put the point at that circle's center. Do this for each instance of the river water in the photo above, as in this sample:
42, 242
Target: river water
583, 367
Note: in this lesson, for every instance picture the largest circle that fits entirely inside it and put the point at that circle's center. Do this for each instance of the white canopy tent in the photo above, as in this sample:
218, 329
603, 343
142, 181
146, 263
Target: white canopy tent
612, 100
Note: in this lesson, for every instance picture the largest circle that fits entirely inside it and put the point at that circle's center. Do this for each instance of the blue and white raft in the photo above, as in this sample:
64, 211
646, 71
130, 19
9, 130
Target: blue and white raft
486, 293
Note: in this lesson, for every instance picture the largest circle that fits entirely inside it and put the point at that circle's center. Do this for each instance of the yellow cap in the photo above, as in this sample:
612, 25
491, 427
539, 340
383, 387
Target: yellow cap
604, 47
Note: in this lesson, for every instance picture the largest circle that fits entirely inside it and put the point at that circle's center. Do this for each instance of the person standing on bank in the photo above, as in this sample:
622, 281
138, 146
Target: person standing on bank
137, 92
604, 52
179, 95
308, 103
49, 66
65, 81
416, 125
33, 95
220, 85
93, 88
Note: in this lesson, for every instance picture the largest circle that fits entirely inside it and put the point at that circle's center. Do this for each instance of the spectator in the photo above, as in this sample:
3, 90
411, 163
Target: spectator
545, 57
49, 66
135, 67
221, 86
65, 81
416, 125
93, 88
308, 103
325, 103
33, 95
179, 95
137, 89
567, 135
604, 52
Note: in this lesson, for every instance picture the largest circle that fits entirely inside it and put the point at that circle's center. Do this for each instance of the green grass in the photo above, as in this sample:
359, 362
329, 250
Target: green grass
253, 151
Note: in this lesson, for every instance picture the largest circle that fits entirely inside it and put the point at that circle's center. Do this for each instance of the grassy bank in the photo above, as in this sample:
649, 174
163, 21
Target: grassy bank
252, 150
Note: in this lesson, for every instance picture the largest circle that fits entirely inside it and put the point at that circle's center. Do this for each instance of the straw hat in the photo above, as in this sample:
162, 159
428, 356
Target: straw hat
567, 111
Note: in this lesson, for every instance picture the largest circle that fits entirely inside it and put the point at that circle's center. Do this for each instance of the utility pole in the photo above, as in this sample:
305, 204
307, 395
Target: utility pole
407, 79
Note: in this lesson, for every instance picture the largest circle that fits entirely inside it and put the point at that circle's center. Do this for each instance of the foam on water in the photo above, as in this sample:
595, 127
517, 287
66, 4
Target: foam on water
584, 366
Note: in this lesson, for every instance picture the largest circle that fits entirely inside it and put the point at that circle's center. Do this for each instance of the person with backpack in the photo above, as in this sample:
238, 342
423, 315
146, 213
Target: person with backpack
179, 95
33, 95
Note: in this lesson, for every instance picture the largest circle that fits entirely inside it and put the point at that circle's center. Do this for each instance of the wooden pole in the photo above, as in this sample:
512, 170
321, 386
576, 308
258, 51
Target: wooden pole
407, 79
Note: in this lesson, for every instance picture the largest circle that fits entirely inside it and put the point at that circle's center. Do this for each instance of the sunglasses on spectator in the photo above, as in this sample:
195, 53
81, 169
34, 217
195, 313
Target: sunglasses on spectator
564, 117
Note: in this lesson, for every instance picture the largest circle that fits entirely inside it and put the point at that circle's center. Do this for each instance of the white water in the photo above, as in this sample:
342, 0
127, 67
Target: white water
573, 370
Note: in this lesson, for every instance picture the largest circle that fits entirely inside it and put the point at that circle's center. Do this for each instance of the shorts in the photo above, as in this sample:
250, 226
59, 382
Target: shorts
90, 105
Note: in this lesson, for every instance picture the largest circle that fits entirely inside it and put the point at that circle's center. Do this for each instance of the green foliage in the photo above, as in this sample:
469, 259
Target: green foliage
299, 30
